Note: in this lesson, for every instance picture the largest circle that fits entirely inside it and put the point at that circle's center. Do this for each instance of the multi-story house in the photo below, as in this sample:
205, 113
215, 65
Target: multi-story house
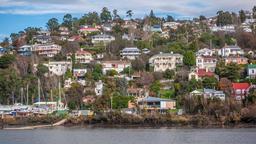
42, 39
163, 61
239, 90
81, 56
49, 50
206, 62
251, 70
58, 68
85, 30
230, 51
79, 73
208, 93
236, 59
118, 66
25, 50
104, 38
130, 53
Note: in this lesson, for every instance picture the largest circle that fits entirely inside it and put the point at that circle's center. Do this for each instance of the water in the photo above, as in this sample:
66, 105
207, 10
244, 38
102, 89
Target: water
128, 136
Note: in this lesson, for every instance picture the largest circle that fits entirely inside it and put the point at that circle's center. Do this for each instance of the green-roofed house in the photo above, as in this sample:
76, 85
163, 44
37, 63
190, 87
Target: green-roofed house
251, 70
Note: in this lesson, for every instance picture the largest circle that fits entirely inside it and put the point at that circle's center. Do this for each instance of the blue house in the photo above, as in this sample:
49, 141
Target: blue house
25, 50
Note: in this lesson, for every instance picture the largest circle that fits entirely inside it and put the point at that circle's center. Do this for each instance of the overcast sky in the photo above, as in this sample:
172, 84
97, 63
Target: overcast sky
34, 12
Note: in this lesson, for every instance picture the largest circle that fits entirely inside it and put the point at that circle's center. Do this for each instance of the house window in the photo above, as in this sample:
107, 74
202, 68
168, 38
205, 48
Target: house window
252, 71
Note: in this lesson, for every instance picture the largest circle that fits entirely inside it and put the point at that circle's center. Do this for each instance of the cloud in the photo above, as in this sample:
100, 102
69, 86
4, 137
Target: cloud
140, 7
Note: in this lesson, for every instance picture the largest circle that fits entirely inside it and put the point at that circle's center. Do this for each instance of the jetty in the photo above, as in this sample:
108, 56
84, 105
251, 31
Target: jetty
38, 126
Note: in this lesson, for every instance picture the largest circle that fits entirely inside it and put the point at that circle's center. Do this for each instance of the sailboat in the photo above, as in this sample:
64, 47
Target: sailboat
49, 107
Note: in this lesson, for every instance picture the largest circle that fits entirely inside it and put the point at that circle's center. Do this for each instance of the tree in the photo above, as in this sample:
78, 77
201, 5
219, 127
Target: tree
242, 16
151, 14
210, 82
230, 71
169, 18
105, 15
92, 18
5, 42
129, 14
155, 87
30, 32
189, 58
67, 21
169, 74
74, 95
41, 70
111, 73
115, 15
225, 85
97, 72
119, 102
52, 24
254, 12
6, 60
202, 18
224, 18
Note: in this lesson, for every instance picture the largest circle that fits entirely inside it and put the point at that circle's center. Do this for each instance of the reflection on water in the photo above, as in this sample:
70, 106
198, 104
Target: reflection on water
129, 136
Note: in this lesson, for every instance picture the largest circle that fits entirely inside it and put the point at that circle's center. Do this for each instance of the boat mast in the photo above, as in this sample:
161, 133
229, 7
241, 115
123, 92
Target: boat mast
27, 95
39, 97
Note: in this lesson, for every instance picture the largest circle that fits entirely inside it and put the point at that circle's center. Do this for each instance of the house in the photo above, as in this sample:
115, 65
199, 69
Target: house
236, 59
68, 82
85, 30
153, 103
227, 28
98, 88
156, 28
58, 68
104, 38
163, 61
137, 92
205, 52
232, 50
42, 39
130, 24
130, 53
49, 50
239, 90
199, 74
208, 93
107, 27
172, 25
81, 56
2, 51
251, 70
79, 73
75, 38
206, 62
25, 50
145, 51
118, 66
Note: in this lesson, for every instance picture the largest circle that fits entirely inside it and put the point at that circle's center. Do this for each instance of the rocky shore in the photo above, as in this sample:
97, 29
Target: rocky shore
121, 120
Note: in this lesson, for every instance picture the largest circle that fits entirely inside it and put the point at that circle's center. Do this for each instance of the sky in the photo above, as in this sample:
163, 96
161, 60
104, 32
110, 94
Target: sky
15, 15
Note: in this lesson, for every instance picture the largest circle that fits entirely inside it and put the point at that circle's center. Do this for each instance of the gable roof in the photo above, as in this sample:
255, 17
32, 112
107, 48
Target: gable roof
203, 73
240, 85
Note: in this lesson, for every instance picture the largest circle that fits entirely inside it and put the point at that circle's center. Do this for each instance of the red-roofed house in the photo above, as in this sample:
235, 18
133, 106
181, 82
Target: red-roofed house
88, 30
240, 90
200, 74
81, 56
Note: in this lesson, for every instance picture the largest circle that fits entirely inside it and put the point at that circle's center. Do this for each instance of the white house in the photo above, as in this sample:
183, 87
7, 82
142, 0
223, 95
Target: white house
58, 68
208, 93
102, 38
205, 52
118, 66
163, 61
130, 53
81, 56
49, 50
79, 72
251, 70
206, 62
98, 88
230, 51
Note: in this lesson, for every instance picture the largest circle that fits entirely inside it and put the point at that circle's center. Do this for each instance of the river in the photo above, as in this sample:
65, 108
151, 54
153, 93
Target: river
63, 135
